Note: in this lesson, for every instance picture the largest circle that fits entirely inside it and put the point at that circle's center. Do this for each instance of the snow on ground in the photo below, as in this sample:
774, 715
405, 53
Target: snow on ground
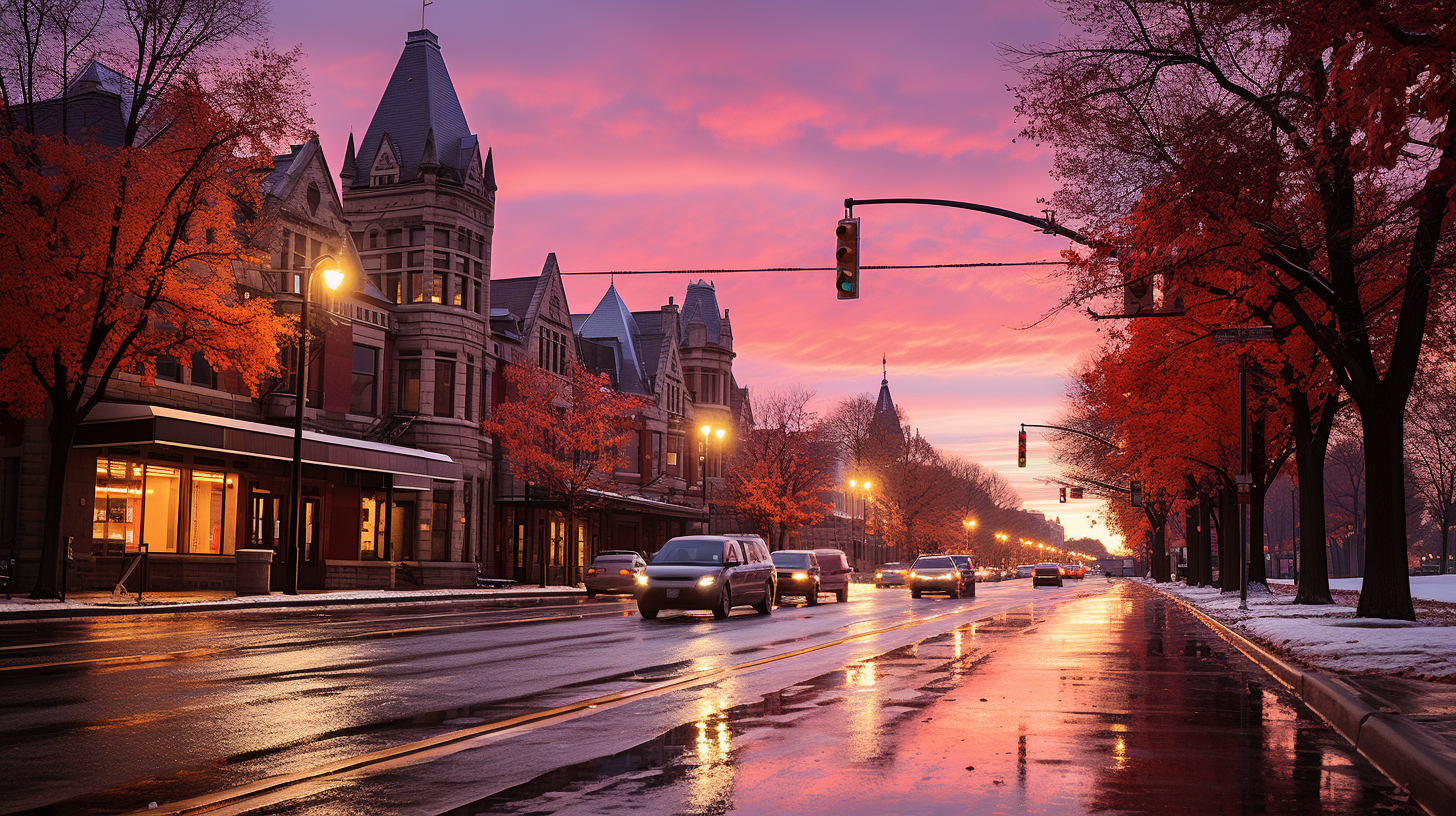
1331, 637
183, 601
1426, 587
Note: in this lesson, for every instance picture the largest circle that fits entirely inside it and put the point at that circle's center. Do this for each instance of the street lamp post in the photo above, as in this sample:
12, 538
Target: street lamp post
854, 487
333, 277
708, 433
970, 525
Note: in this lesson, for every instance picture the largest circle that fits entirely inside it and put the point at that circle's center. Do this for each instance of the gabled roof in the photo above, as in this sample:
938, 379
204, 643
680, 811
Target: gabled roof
418, 101
612, 320
291, 166
701, 303
513, 294
649, 342
98, 75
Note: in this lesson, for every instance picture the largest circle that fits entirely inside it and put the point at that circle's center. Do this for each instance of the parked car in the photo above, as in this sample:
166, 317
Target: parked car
937, 573
715, 573
1048, 574
968, 572
614, 573
757, 550
834, 573
891, 574
1024, 570
798, 573
986, 575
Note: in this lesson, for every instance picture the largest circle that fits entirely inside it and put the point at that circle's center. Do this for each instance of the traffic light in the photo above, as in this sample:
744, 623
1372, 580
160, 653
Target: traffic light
1137, 494
1021, 449
846, 259
1063, 497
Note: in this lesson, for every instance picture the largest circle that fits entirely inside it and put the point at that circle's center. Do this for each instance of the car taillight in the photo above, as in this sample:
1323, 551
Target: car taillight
591, 570
624, 572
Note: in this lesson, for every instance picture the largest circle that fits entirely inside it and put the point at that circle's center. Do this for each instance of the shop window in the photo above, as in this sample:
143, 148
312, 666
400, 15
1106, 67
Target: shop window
163, 506
409, 386
444, 388
440, 530
362, 390
370, 506
117, 515
209, 516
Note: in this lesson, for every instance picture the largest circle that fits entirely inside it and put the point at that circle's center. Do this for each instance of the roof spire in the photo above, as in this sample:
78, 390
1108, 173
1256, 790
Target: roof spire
885, 369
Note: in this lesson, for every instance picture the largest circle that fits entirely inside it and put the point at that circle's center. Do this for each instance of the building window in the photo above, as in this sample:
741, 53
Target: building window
440, 530
168, 369
362, 391
417, 287
551, 350
479, 305
469, 392
209, 515
141, 503
444, 388
370, 505
437, 287
392, 288
459, 291
409, 386
394, 260
417, 236
442, 237
631, 452
202, 373
394, 237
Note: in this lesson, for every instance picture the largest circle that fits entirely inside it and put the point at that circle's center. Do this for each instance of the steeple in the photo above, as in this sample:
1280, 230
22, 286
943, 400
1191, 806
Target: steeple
886, 417
420, 101
350, 170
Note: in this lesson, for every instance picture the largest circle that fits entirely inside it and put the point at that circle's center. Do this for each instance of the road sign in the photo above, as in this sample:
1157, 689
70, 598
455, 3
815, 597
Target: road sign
1243, 334
1076, 492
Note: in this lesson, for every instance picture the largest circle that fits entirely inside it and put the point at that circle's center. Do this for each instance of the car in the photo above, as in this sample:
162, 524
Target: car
1024, 570
891, 574
987, 575
834, 573
938, 573
968, 571
798, 574
615, 573
620, 552
714, 573
756, 548
1048, 574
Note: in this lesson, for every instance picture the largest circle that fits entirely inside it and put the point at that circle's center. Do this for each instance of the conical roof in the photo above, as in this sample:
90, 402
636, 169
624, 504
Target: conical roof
886, 417
419, 99
612, 320
701, 303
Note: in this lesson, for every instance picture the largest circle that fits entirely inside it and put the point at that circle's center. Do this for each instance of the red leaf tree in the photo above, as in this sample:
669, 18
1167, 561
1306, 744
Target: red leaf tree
111, 255
564, 436
780, 468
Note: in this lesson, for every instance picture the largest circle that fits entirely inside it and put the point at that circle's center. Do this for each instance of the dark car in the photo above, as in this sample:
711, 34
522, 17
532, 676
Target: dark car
798, 574
1048, 574
968, 572
937, 573
715, 573
614, 573
891, 574
834, 573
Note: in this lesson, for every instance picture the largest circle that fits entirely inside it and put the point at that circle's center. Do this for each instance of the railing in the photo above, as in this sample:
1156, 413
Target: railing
130, 566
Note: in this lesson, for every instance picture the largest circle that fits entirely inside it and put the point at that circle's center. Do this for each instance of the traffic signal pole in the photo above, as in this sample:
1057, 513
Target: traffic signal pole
1047, 225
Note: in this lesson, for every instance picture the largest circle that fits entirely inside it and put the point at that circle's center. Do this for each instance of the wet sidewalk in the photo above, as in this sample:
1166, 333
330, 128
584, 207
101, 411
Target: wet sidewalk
1117, 703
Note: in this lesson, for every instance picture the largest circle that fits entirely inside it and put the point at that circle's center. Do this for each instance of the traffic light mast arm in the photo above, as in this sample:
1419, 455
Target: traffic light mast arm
1048, 224
1071, 430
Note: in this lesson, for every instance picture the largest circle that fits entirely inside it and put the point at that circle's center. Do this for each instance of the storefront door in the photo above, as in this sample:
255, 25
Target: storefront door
311, 564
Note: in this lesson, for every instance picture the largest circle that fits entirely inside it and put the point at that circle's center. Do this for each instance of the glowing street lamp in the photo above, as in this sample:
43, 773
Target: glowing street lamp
708, 433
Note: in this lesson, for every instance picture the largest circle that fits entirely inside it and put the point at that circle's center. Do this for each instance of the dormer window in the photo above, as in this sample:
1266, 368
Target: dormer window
386, 166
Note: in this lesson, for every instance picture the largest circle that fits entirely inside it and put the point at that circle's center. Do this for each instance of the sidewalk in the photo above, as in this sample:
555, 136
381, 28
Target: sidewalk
1388, 686
95, 604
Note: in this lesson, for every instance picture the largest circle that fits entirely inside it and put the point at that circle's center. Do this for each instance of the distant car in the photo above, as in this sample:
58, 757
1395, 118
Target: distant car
968, 572
937, 573
1024, 570
986, 575
1046, 574
834, 573
715, 573
614, 573
891, 574
798, 574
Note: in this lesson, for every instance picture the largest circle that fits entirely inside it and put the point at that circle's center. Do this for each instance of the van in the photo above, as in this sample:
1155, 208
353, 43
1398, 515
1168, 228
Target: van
834, 573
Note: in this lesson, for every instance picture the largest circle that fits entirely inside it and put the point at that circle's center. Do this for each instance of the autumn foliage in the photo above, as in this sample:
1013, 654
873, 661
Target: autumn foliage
779, 471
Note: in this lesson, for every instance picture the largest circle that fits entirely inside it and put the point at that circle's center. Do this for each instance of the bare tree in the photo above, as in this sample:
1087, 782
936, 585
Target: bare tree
780, 472
1431, 450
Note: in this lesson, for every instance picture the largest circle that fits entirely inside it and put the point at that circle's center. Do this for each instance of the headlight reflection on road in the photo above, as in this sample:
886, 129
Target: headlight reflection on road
860, 676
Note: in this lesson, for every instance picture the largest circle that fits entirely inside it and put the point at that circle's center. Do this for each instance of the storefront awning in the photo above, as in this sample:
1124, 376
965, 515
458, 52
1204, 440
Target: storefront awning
123, 424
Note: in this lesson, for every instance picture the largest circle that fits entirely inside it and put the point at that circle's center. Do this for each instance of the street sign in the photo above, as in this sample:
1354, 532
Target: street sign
1076, 492
1243, 334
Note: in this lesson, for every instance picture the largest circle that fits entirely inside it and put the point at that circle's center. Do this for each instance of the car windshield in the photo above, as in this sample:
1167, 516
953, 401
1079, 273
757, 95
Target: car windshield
938, 562
791, 560
706, 553
961, 560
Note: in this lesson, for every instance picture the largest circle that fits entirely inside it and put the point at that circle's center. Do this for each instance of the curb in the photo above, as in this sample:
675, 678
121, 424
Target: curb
1398, 746
307, 601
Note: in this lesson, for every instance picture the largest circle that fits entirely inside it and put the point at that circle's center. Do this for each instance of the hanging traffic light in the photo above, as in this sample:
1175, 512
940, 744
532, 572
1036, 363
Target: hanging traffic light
846, 259
1137, 494
1063, 497
1021, 448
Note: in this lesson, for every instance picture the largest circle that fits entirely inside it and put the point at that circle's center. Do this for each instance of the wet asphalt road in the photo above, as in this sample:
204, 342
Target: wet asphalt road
1092, 698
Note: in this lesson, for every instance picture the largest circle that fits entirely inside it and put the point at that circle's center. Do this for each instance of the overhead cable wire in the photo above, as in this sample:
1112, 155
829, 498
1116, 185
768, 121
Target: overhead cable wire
811, 268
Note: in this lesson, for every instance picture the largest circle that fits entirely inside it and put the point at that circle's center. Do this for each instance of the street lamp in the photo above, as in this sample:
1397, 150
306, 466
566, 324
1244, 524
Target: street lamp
854, 487
970, 525
333, 277
708, 433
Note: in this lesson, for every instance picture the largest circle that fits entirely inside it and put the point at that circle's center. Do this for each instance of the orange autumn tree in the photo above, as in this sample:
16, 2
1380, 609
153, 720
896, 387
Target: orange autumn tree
780, 469
564, 436
114, 254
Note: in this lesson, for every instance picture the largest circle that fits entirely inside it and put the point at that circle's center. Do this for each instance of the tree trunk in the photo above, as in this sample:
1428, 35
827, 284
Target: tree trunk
1445, 538
62, 433
1385, 592
1160, 547
1310, 442
1228, 541
1205, 540
1258, 466
1191, 535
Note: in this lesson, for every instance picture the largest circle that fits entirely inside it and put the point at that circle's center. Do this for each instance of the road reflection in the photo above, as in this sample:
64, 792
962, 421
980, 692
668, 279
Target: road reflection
1113, 702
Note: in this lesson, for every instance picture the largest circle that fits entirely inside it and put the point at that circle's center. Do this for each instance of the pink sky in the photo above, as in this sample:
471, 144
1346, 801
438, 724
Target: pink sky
651, 135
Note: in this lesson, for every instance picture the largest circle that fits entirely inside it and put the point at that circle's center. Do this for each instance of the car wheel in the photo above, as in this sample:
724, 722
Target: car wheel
841, 595
955, 593
591, 595
915, 593
647, 612
971, 591
813, 596
725, 605
765, 606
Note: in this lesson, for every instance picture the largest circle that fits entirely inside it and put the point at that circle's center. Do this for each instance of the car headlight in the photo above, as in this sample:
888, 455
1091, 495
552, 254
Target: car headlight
801, 576
642, 580
913, 574
706, 581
